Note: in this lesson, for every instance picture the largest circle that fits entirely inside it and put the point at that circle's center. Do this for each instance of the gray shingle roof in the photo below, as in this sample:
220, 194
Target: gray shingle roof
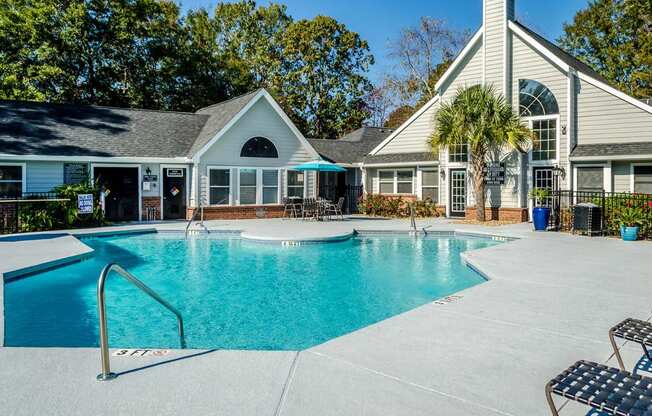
402, 157
30, 128
607, 150
352, 147
219, 116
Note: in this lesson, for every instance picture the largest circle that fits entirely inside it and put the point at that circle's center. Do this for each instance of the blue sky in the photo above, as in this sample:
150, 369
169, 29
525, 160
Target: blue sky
379, 21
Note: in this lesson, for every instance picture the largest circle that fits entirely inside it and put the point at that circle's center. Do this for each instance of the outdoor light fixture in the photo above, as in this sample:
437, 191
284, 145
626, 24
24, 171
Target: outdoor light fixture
442, 174
563, 129
148, 171
559, 171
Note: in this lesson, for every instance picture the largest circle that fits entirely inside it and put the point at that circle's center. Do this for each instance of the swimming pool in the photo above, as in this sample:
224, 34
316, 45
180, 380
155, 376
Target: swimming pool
235, 293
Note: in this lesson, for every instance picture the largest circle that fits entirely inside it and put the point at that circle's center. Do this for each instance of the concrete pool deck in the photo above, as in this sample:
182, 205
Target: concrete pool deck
550, 300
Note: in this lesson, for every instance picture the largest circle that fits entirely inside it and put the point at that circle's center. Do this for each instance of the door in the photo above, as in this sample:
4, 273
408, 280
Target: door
457, 192
544, 178
121, 192
174, 193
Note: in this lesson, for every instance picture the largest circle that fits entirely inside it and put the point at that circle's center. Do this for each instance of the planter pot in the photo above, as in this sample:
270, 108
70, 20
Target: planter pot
629, 233
540, 218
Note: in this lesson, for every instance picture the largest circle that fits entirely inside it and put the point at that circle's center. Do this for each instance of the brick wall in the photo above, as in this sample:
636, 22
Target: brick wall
239, 212
500, 214
152, 202
402, 196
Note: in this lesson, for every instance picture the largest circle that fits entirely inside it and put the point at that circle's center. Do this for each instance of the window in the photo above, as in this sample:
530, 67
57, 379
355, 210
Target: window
458, 153
11, 181
404, 181
396, 181
220, 186
430, 185
545, 139
386, 181
270, 186
544, 178
247, 186
590, 179
74, 173
643, 179
534, 99
259, 147
295, 183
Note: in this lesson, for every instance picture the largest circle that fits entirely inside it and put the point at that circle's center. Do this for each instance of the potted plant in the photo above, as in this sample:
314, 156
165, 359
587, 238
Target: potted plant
630, 219
540, 213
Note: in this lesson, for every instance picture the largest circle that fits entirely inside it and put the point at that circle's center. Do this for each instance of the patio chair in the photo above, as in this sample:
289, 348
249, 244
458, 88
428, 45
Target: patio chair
633, 330
335, 209
606, 389
309, 208
291, 207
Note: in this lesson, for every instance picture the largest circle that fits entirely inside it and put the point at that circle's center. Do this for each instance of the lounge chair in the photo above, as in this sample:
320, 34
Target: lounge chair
607, 389
633, 330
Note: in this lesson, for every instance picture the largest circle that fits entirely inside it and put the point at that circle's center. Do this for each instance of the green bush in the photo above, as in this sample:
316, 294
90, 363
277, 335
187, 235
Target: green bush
626, 209
44, 216
384, 206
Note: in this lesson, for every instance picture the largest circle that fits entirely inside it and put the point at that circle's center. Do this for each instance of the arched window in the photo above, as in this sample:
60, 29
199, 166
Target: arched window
259, 147
535, 99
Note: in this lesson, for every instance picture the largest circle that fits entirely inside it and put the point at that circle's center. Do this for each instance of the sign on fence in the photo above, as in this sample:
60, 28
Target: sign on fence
85, 203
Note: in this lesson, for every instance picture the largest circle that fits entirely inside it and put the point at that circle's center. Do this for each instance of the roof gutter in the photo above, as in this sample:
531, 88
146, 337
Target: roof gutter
99, 159
612, 157
399, 164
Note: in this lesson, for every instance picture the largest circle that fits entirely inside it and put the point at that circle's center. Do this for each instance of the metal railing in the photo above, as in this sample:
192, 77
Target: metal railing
106, 373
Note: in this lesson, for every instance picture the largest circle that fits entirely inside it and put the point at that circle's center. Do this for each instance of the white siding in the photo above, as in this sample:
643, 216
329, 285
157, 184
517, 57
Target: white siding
261, 120
495, 14
605, 118
621, 176
43, 176
414, 138
468, 73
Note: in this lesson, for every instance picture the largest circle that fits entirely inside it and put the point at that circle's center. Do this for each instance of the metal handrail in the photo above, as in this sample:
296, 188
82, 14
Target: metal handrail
101, 307
194, 214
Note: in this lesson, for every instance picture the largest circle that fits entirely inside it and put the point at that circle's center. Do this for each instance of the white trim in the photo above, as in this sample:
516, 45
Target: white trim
611, 90
506, 50
462, 55
23, 174
124, 165
399, 164
208, 184
617, 157
403, 126
396, 181
449, 192
606, 174
261, 94
160, 185
538, 46
546, 162
420, 185
631, 174
305, 181
484, 42
96, 159
570, 119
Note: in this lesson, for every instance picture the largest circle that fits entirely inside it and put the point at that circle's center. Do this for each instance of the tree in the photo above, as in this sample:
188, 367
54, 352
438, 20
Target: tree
484, 121
399, 116
615, 38
422, 54
323, 80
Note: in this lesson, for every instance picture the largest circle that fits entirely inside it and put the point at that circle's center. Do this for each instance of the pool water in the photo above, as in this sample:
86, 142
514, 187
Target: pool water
235, 293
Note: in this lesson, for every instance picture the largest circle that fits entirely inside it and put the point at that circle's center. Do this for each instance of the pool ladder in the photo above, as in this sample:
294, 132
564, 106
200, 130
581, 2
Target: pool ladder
106, 373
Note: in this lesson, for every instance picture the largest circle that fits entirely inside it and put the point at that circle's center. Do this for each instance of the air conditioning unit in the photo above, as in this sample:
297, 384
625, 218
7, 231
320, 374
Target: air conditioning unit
587, 219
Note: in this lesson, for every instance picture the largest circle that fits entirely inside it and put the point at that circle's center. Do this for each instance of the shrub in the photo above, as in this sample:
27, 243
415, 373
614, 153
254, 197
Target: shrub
43, 216
384, 206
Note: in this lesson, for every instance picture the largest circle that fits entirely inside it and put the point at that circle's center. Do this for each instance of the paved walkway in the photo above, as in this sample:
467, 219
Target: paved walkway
550, 301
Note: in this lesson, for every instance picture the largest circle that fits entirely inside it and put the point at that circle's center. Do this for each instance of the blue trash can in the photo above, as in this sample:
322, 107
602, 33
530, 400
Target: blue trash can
540, 218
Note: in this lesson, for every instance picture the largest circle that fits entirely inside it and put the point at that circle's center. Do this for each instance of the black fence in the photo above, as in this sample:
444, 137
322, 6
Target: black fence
31, 211
350, 193
610, 203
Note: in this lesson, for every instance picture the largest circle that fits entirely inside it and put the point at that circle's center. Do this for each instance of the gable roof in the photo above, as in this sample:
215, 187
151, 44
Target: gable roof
352, 147
219, 116
564, 56
46, 129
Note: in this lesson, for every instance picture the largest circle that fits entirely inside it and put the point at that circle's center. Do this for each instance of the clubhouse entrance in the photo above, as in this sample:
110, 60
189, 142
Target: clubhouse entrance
121, 191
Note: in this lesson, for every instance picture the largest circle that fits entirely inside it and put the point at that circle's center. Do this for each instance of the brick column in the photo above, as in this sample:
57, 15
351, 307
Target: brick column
154, 203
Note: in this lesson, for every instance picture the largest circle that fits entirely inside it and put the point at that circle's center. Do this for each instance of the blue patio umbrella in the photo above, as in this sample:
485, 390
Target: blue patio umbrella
319, 165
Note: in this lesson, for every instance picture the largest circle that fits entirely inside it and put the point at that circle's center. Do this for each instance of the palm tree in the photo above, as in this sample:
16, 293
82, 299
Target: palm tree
479, 117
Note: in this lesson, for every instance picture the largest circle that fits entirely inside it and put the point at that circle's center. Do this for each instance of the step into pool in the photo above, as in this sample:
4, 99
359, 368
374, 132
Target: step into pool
233, 293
